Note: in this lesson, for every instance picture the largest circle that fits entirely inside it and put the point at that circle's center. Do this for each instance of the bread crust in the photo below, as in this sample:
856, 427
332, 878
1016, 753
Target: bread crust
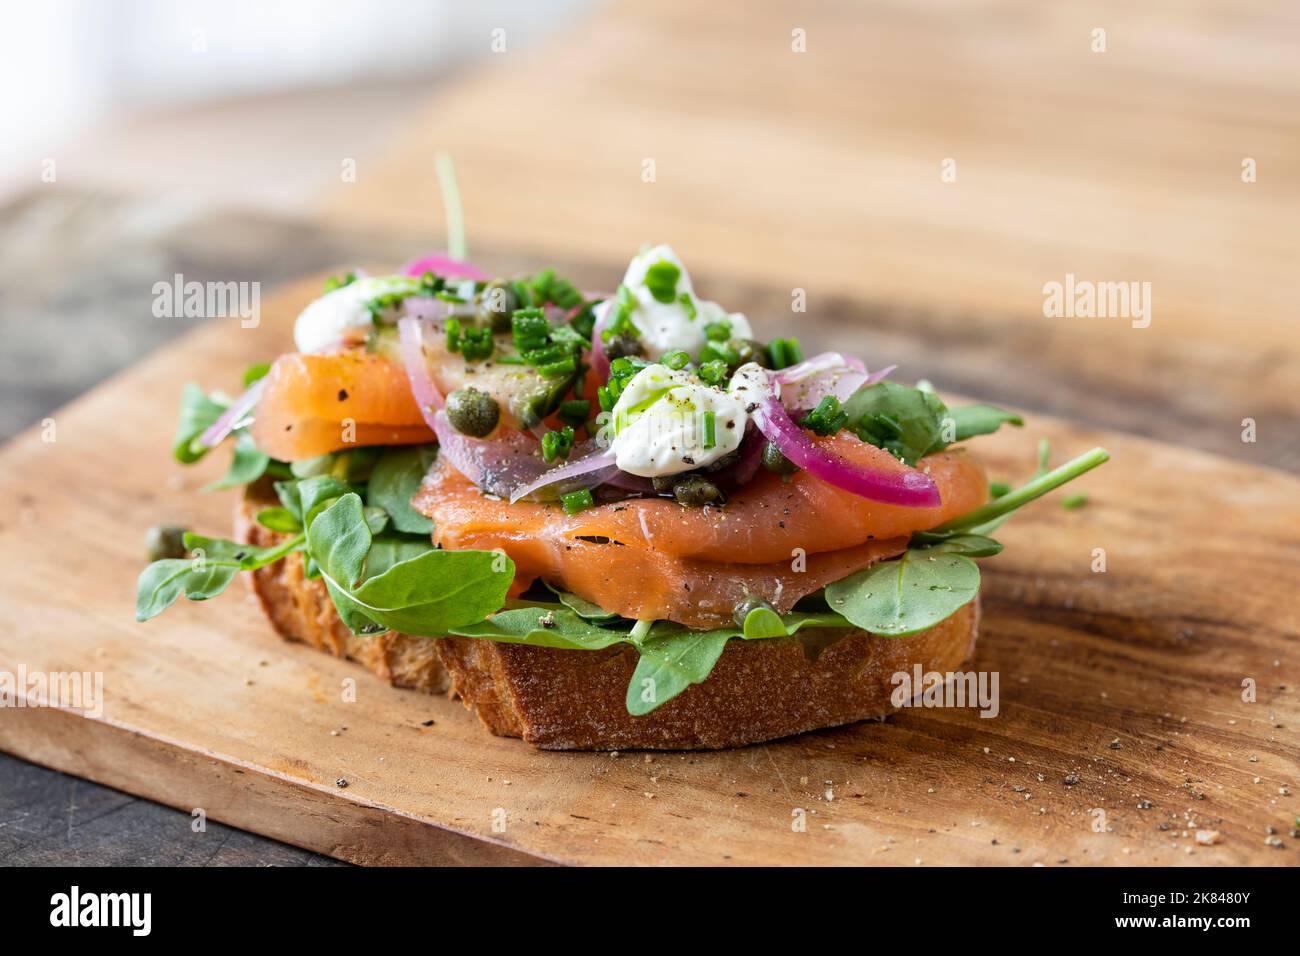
300, 609
759, 690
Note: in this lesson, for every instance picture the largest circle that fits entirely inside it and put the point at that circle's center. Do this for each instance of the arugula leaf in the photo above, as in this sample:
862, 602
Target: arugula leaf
162, 582
395, 480
907, 594
339, 540
971, 545
248, 464
907, 422
279, 519
301, 497
389, 549
670, 664
582, 607
972, 420
525, 625
204, 575
199, 412
255, 371
425, 595
911, 423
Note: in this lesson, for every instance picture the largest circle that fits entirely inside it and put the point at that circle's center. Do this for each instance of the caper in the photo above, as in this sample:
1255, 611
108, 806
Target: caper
472, 412
696, 491
621, 346
776, 462
496, 305
723, 463
752, 602
751, 350
664, 483
165, 541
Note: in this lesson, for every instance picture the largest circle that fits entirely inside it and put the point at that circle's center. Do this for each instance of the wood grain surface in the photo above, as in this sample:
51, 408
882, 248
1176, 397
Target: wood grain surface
1127, 683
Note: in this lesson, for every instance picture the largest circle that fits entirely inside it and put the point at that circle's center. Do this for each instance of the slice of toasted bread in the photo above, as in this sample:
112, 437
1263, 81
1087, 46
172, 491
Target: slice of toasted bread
759, 690
576, 700
300, 609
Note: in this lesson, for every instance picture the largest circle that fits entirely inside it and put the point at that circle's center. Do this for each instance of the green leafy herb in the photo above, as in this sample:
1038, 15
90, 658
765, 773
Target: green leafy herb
199, 412
910, 593
713, 372
280, 519
661, 280
972, 420
719, 331
827, 418
688, 304
557, 444
576, 501
542, 627
986, 518
575, 412
670, 664
619, 321
676, 360
334, 282
248, 464
254, 372
395, 480
911, 423
584, 608
208, 571
425, 595
782, 353
906, 422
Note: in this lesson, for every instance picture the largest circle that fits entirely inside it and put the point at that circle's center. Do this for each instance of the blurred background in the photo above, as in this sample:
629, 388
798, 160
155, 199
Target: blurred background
919, 170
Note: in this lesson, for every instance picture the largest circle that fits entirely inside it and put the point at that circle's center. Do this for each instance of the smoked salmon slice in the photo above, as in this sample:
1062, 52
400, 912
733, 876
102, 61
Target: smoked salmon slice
308, 402
761, 522
653, 558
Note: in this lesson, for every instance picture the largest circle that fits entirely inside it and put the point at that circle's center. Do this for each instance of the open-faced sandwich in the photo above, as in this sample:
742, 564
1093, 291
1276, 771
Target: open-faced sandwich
604, 521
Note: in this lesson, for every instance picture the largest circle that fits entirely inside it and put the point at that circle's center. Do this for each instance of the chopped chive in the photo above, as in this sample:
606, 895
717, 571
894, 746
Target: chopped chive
576, 501
661, 279
783, 353
676, 359
557, 444
689, 305
575, 412
712, 373
453, 335
1070, 502
719, 331
710, 427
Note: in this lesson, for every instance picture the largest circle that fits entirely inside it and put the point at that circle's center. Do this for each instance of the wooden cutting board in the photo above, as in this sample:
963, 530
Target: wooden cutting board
1127, 682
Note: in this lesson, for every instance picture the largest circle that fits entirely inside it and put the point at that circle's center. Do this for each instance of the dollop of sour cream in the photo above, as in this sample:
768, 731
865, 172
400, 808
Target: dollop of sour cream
342, 317
679, 323
660, 422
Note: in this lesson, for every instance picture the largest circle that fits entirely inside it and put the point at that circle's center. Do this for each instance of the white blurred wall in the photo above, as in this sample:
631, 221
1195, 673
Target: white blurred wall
68, 66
